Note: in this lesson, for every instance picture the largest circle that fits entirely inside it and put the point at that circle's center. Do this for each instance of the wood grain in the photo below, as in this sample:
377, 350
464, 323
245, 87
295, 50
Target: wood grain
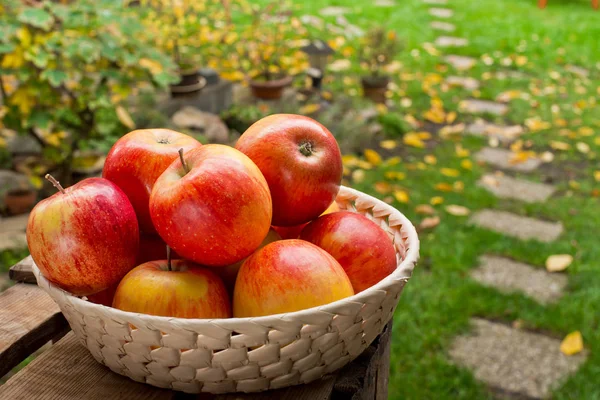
22, 272
29, 318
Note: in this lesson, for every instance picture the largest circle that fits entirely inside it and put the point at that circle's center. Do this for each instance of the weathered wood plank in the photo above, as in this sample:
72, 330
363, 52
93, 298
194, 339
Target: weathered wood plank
22, 272
29, 318
383, 373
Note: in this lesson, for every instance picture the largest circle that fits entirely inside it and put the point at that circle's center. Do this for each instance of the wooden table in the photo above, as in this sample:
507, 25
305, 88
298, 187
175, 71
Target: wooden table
543, 3
29, 318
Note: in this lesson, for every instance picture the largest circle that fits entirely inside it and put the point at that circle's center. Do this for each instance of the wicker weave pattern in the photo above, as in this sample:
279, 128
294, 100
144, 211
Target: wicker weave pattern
246, 354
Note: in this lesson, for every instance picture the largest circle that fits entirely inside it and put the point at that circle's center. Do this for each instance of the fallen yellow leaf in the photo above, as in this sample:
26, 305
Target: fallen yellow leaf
430, 159
358, 176
394, 175
558, 262
457, 210
451, 172
373, 157
436, 200
582, 147
461, 152
401, 196
450, 130
424, 209
364, 164
443, 187
424, 135
392, 161
572, 343
349, 160
310, 108
574, 185
466, 164
382, 187
597, 176
124, 117
585, 131
458, 186
536, 124
411, 139
429, 222
388, 144
381, 109
556, 145
451, 117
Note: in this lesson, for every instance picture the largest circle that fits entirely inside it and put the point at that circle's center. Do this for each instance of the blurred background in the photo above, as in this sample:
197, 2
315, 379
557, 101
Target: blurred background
477, 119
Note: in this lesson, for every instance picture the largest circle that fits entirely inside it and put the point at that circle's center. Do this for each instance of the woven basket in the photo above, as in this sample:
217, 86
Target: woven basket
246, 354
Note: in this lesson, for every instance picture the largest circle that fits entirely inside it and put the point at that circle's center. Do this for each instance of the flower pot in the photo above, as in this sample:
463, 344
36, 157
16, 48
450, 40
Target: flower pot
374, 87
270, 90
20, 201
190, 83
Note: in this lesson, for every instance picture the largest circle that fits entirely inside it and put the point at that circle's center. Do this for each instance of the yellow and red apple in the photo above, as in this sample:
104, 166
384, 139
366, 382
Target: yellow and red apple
183, 291
214, 208
300, 160
293, 232
363, 248
84, 238
137, 160
286, 276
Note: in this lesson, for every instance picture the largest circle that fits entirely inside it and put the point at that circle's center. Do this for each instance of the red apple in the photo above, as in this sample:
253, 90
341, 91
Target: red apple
293, 232
152, 248
286, 276
229, 273
84, 238
184, 291
364, 250
300, 160
215, 209
104, 297
137, 160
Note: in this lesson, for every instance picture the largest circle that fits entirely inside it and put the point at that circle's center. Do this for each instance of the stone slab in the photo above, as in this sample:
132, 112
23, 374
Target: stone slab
509, 276
475, 106
502, 158
334, 11
503, 133
451, 41
435, 1
12, 241
442, 26
212, 98
460, 63
507, 187
519, 362
580, 71
524, 228
384, 3
464, 82
18, 223
441, 12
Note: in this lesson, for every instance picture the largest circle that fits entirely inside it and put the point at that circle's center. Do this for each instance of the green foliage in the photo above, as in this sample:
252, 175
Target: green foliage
65, 69
379, 48
394, 125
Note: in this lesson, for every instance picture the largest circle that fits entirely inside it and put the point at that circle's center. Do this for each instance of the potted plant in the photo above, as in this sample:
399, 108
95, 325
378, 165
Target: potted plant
20, 200
378, 49
265, 52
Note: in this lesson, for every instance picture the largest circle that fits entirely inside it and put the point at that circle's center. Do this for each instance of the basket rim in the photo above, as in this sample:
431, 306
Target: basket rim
402, 273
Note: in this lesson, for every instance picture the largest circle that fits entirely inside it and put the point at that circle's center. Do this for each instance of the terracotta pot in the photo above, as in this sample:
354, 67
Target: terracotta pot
374, 88
20, 201
190, 83
270, 90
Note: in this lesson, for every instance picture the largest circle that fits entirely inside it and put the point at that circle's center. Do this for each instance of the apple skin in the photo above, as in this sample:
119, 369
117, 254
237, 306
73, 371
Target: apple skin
86, 239
293, 232
104, 297
152, 248
302, 186
286, 276
137, 160
188, 291
216, 214
363, 249
229, 273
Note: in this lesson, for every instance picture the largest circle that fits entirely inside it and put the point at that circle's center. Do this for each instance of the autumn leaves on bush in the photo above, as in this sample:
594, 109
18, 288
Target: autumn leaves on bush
251, 230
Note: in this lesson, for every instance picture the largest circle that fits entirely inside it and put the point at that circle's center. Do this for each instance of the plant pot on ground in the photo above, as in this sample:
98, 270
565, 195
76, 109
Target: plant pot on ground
269, 89
379, 47
374, 87
190, 83
20, 201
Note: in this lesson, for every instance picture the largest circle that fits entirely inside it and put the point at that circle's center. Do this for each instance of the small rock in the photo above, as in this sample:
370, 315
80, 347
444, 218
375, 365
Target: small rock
483, 106
442, 26
464, 82
441, 12
511, 188
334, 11
312, 20
384, 3
503, 159
521, 227
209, 125
450, 41
461, 63
580, 71
503, 133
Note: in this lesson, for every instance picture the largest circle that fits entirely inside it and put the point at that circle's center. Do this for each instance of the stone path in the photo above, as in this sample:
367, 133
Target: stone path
439, 2
12, 232
503, 159
384, 3
475, 106
507, 187
441, 12
460, 63
510, 276
464, 82
442, 26
524, 228
334, 11
450, 41
519, 362
504, 134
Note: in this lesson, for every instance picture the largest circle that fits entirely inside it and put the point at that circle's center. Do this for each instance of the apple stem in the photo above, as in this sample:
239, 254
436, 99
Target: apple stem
55, 183
306, 148
185, 167
169, 258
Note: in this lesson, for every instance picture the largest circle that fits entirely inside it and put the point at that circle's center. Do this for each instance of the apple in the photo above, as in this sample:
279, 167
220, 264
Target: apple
84, 238
363, 249
286, 276
293, 232
229, 273
300, 160
212, 206
152, 248
137, 160
104, 297
175, 288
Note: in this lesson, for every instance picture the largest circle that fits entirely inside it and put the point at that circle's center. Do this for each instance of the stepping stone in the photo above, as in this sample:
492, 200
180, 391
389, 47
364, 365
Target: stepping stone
483, 106
12, 241
509, 276
435, 1
502, 158
384, 3
441, 12
504, 134
312, 20
513, 361
334, 11
580, 71
17, 223
464, 82
450, 41
507, 187
442, 26
461, 63
517, 226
